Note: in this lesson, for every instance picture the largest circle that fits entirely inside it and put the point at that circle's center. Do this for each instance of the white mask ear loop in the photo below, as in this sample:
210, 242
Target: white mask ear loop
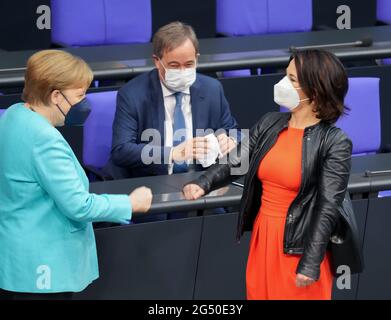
161, 63
299, 88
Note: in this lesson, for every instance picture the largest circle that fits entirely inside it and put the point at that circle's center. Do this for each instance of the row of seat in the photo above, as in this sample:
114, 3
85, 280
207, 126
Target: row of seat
363, 99
104, 22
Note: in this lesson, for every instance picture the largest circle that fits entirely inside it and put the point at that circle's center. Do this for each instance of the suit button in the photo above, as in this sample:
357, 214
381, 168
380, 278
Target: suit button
290, 251
308, 139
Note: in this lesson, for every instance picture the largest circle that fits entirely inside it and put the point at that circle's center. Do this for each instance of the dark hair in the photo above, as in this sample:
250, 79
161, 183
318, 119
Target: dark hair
171, 36
323, 79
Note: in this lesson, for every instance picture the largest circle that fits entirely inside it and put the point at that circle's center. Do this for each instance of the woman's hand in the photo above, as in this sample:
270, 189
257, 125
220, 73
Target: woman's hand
193, 191
303, 281
141, 199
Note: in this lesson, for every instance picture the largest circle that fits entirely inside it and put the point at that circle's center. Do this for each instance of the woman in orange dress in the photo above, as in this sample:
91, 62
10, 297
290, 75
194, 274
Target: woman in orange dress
271, 273
295, 183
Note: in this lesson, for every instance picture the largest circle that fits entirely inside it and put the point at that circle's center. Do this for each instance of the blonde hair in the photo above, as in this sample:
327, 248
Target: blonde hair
49, 70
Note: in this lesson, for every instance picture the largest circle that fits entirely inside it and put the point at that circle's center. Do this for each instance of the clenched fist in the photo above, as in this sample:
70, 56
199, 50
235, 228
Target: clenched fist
193, 191
141, 199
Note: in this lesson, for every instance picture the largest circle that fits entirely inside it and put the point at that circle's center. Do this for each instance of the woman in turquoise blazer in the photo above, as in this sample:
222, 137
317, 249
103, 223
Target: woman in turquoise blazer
47, 242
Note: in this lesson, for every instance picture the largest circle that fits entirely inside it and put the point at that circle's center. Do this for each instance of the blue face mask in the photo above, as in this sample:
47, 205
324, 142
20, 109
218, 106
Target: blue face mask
77, 114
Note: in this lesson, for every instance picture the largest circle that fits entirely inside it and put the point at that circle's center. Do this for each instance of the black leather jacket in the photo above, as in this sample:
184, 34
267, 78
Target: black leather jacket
313, 215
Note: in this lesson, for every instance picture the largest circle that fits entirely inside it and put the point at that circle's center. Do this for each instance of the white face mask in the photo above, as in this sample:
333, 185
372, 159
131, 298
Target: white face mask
286, 95
179, 80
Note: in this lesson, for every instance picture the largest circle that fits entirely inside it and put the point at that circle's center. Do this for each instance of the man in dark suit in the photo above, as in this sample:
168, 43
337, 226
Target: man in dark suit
169, 105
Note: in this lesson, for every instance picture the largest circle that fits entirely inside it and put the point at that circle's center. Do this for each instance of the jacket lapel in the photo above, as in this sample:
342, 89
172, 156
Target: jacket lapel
157, 103
199, 108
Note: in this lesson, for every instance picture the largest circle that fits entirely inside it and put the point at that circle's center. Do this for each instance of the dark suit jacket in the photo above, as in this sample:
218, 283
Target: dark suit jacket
140, 106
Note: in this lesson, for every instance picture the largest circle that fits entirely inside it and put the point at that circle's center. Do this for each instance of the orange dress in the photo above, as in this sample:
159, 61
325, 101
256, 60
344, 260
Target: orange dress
271, 274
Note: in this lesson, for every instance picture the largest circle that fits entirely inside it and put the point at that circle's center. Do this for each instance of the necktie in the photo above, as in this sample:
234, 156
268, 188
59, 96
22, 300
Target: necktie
179, 124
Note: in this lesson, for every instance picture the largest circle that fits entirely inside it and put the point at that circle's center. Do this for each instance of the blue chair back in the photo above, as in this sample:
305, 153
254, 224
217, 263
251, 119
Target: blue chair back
251, 17
362, 123
384, 11
98, 128
101, 22
384, 15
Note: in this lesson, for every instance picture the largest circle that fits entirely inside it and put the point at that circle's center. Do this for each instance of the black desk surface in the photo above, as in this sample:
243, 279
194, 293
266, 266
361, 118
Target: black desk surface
125, 61
373, 162
168, 196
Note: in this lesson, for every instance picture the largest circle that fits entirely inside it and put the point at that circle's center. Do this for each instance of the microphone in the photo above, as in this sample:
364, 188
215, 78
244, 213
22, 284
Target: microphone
365, 42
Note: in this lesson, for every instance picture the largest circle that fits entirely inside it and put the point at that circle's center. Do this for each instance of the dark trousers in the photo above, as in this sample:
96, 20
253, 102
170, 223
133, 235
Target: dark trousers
9, 295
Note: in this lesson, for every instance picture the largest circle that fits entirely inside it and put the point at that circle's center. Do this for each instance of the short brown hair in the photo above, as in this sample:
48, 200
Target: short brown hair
171, 36
323, 79
49, 70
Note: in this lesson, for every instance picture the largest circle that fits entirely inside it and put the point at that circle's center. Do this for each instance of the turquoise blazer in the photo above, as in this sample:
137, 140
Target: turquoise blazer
47, 242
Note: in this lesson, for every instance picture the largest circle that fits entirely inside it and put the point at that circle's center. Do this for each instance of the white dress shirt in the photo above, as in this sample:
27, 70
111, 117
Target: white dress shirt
169, 107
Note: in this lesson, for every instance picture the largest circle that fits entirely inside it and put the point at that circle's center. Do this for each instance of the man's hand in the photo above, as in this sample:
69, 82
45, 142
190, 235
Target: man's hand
195, 148
227, 144
303, 281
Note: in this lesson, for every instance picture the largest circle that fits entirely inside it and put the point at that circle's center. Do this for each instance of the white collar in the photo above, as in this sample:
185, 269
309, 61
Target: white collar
167, 92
